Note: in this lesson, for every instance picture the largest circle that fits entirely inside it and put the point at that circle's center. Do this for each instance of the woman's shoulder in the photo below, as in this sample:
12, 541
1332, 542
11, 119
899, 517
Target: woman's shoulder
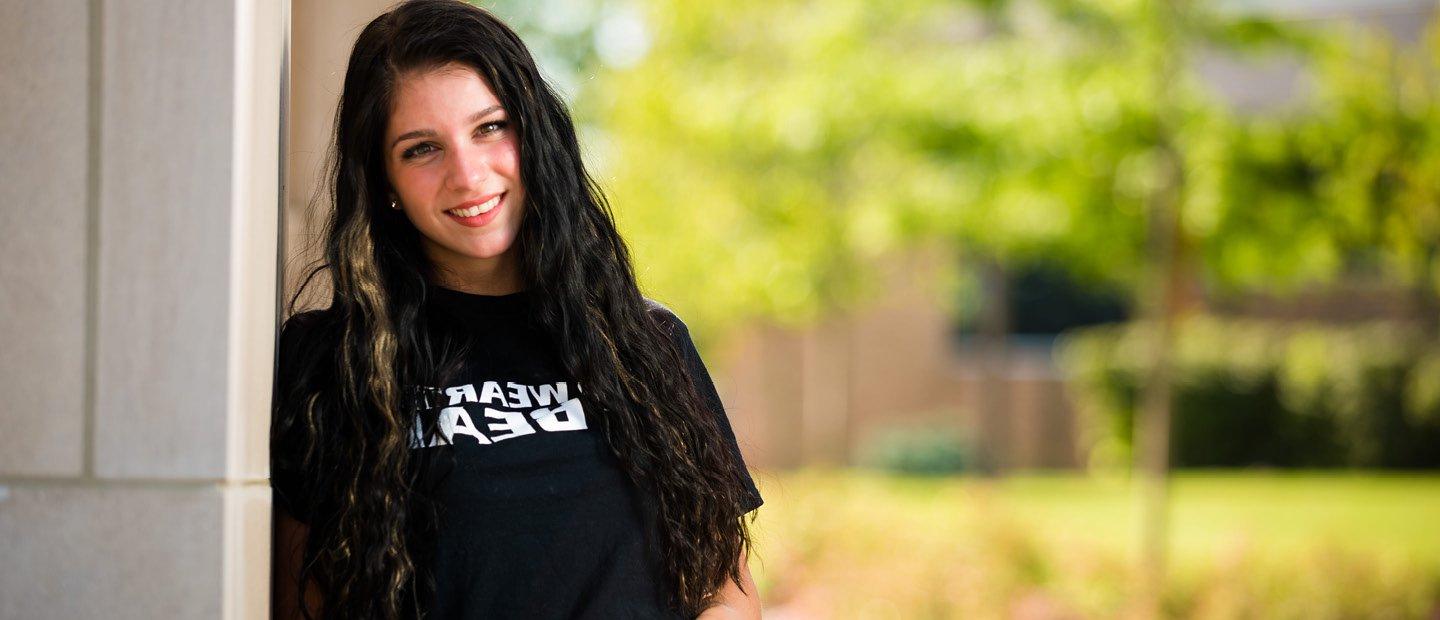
304, 337
307, 325
664, 315
676, 330
310, 318
672, 325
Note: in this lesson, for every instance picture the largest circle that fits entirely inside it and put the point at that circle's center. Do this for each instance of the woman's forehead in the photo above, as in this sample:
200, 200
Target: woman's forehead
445, 94
442, 81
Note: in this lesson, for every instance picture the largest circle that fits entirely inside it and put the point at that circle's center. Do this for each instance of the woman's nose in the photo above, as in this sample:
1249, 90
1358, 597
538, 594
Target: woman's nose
467, 169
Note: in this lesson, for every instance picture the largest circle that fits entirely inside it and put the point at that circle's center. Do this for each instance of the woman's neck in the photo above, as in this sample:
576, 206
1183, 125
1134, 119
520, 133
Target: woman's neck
500, 276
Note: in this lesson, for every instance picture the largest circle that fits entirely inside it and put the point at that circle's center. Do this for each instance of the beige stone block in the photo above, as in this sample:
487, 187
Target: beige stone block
123, 552
44, 47
165, 228
247, 550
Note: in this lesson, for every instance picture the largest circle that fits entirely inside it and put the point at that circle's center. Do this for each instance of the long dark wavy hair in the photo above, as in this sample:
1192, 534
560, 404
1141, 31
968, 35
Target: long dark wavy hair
352, 379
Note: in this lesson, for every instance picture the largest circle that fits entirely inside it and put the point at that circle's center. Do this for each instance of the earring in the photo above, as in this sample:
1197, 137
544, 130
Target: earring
394, 206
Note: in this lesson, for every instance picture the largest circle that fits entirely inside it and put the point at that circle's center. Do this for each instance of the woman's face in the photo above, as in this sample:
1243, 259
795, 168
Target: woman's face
453, 159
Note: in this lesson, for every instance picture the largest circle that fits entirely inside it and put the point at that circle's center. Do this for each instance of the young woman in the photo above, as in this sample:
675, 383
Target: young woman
489, 420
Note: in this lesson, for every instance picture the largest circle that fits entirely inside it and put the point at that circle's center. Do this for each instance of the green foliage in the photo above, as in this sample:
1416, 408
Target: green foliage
1351, 178
921, 451
747, 154
1258, 393
764, 154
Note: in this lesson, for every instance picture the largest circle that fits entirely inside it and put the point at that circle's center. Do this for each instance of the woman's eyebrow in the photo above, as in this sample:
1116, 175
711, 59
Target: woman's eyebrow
430, 133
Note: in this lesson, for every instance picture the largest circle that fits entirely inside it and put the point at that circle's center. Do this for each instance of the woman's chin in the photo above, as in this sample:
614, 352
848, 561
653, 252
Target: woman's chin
468, 253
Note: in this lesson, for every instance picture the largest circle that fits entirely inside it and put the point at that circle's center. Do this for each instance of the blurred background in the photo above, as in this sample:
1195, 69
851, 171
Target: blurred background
1031, 309
1046, 308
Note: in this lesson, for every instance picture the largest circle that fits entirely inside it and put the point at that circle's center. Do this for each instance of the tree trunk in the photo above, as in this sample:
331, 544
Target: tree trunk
995, 444
1161, 305
1152, 429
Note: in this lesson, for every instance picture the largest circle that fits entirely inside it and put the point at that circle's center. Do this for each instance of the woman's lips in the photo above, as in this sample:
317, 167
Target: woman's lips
476, 221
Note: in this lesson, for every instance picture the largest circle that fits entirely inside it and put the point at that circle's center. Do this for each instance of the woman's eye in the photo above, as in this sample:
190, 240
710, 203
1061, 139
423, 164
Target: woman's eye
492, 126
415, 151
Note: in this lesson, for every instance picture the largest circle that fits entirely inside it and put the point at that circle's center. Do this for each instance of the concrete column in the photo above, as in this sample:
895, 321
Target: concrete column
139, 210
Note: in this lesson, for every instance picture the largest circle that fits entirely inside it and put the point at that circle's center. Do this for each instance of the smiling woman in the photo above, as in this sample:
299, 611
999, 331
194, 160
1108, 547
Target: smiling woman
489, 420
456, 174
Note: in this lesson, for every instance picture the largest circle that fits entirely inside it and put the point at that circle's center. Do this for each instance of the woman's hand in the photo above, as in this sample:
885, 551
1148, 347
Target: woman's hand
733, 603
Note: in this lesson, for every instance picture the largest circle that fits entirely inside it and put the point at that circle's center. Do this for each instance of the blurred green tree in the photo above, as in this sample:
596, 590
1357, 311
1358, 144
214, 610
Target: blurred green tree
779, 148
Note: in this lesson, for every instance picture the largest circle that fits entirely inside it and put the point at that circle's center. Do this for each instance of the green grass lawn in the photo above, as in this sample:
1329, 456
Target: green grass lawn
1393, 515
1266, 543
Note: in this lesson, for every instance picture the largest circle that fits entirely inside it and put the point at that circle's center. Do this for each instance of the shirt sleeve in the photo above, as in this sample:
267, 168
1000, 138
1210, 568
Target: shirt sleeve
289, 436
680, 335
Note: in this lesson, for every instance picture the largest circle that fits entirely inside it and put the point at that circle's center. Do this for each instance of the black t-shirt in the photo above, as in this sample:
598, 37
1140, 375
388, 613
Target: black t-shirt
537, 517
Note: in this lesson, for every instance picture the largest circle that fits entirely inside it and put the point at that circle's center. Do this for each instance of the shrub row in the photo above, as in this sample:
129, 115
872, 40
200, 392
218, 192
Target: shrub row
1258, 393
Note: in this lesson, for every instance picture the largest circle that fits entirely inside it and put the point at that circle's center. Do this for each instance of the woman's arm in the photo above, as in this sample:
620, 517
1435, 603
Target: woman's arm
733, 604
289, 552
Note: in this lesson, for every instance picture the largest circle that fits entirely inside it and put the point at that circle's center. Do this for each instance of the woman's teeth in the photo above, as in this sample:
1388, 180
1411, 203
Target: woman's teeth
477, 209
